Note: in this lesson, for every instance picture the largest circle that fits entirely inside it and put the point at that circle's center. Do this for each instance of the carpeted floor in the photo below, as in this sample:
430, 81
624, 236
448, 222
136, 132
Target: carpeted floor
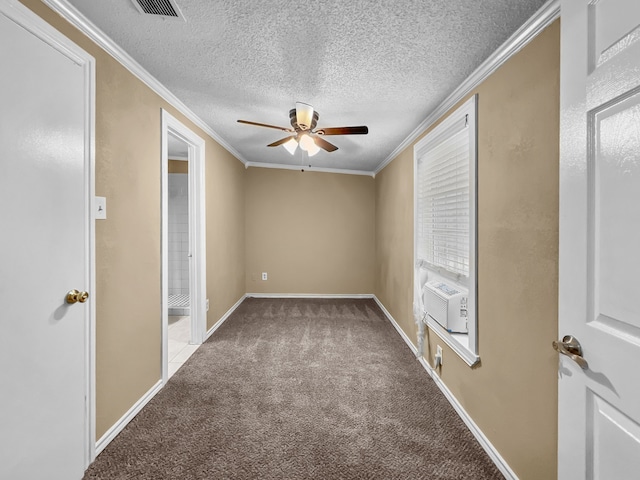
298, 389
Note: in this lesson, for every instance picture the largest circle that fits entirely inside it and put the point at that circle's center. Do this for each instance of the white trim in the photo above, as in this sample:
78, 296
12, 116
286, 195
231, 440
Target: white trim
91, 331
164, 251
309, 295
31, 22
224, 317
469, 111
82, 23
402, 333
20, 14
179, 158
197, 233
117, 427
484, 442
467, 355
547, 14
307, 168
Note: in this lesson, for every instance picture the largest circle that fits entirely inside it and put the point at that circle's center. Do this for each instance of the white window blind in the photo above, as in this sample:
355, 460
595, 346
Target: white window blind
443, 189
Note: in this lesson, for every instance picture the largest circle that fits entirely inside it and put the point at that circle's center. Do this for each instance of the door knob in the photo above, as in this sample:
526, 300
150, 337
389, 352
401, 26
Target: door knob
74, 296
570, 346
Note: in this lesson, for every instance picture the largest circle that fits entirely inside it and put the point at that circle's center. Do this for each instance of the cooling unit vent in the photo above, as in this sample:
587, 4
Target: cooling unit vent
163, 8
447, 305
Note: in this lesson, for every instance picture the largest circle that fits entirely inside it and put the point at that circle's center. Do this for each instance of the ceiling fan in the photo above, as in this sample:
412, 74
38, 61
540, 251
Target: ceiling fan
303, 122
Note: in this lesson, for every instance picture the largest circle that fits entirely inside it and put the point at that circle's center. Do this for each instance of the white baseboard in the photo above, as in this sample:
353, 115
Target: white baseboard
219, 323
488, 447
404, 336
310, 295
127, 417
139, 405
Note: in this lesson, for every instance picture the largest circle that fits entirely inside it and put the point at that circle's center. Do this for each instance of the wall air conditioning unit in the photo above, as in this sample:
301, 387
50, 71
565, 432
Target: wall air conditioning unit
447, 305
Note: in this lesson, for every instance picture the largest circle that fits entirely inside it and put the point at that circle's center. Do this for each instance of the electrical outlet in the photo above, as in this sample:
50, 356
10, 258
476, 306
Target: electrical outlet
264, 276
439, 353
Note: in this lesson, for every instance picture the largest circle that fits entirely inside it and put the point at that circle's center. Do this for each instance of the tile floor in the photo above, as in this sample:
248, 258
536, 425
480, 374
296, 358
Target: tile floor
179, 348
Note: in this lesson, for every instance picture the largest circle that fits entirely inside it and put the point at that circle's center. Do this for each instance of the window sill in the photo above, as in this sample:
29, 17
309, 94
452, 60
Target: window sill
458, 342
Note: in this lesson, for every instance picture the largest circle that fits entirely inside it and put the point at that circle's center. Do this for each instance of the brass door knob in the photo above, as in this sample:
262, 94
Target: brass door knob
570, 346
74, 296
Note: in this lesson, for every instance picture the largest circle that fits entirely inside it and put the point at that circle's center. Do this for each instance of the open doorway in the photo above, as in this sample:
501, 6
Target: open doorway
179, 303
184, 303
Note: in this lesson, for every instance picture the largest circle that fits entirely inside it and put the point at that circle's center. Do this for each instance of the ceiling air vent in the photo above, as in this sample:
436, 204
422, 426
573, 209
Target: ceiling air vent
163, 8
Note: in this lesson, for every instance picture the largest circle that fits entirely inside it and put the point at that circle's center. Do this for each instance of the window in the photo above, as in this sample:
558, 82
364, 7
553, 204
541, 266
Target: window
443, 205
445, 230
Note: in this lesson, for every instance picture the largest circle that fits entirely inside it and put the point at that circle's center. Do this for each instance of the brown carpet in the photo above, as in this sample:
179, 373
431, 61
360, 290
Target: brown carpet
298, 389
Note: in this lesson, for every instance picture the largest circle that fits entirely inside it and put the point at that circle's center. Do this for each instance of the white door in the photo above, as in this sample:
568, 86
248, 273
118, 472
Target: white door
599, 405
44, 220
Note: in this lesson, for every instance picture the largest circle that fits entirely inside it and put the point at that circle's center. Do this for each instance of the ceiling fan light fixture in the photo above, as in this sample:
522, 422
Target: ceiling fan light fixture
313, 149
304, 115
306, 142
302, 133
308, 145
291, 145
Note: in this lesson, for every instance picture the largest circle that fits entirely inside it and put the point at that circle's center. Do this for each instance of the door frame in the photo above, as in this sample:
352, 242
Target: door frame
197, 234
23, 16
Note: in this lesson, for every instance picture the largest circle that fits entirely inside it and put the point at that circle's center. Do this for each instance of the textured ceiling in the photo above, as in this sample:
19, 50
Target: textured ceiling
385, 64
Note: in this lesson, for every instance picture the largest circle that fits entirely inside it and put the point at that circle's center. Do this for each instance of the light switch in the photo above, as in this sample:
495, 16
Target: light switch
101, 208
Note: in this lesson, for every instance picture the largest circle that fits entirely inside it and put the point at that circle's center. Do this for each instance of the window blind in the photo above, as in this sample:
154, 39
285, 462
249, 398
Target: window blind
443, 190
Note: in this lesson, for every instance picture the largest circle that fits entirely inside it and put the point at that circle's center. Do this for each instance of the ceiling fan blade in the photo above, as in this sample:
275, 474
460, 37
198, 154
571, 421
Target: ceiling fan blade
247, 122
361, 130
280, 142
322, 143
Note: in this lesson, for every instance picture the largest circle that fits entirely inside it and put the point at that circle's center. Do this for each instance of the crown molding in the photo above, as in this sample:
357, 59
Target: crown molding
82, 23
540, 20
307, 168
549, 12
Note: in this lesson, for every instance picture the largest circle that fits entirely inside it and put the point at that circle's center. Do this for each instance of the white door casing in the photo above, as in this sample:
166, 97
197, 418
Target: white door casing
197, 233
47, 94
599, 407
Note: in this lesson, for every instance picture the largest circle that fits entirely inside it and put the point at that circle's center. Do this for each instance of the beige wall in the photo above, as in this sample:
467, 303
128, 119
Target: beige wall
178, 166
311, 232
128, 316
512, 394
394, 239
